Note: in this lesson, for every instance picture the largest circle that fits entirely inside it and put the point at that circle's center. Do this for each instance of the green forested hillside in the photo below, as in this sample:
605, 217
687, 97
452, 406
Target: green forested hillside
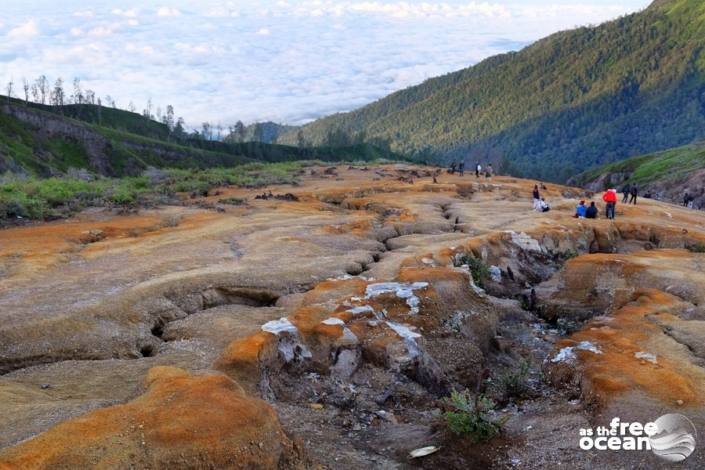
571, 101
39, 140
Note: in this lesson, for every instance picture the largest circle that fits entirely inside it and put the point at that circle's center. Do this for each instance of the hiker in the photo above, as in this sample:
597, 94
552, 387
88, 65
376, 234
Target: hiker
580, 211
461, 168
543, 206
610, 197
687, 200
478, 170
451, 170
490, 171
591, 212
626, 191
537, 197
633, 191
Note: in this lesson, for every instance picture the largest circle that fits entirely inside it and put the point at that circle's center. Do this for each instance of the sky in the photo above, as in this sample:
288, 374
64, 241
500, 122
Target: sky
282, 60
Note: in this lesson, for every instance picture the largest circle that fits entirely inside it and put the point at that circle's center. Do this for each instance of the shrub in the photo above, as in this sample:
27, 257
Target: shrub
472, 417
478, 269
697, 248
514, 383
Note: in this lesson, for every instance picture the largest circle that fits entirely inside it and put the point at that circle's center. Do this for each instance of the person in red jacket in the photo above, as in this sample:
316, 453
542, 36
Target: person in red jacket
610, 197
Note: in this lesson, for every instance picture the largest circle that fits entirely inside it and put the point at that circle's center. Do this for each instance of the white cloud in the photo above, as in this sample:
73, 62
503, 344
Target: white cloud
167, 11
84, 14
24, 32
131, 13
264, 32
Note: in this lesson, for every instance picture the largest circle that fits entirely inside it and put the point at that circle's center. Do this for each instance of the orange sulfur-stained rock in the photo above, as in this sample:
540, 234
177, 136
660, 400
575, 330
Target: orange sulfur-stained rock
182, 421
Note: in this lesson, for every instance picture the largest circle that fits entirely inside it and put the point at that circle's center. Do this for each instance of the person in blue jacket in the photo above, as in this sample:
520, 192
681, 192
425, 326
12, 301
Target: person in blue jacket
581, 210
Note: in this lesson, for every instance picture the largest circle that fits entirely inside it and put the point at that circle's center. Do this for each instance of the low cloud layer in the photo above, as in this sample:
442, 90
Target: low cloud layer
287, 61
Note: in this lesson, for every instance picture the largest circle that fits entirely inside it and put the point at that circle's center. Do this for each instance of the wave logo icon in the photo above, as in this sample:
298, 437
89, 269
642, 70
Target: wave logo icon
674, 439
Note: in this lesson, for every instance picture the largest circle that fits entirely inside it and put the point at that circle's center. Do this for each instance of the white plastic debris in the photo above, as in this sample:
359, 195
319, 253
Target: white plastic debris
646, 356
401, 290
333, 321
283, 325
423, 452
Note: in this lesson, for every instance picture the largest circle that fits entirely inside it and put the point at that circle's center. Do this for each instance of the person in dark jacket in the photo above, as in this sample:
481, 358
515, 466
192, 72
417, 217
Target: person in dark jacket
461, 168
537, 197
633, 191
591, 212
626, 190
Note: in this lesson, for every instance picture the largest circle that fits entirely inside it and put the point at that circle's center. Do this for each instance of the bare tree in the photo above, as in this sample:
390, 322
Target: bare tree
25, 87
240, 131
169, 118
131, 107
148, 110
206, 130
90, 97
58, 94
100, 112
77, 93
179, 128
43, 85
10, 84
35, 93
9, 90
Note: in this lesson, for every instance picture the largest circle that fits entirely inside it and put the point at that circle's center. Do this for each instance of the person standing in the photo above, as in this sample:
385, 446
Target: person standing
633, 191
610, 197
626, 191
537, 197
461, 168
490, 170
478, 169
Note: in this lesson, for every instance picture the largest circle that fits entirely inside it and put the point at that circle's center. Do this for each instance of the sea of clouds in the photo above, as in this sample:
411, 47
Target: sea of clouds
287, 61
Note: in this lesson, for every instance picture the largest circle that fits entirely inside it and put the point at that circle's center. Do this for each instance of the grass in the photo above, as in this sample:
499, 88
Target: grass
41, 199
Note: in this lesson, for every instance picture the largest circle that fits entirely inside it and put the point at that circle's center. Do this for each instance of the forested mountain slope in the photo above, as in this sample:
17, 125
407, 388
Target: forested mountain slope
569, 102
40, 140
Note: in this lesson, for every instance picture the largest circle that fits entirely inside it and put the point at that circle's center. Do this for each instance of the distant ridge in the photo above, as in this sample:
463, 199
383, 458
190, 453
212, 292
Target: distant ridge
568, 102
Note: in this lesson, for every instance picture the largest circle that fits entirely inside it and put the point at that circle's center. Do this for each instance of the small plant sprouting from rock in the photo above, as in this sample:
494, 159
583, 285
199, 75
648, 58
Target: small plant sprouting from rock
478, 269
472, 417
514, 383
232, 201
569, 254
697, 248
170, 220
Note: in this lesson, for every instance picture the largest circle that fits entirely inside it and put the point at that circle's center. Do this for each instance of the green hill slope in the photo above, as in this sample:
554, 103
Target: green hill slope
43, 141
667, 175
571, 101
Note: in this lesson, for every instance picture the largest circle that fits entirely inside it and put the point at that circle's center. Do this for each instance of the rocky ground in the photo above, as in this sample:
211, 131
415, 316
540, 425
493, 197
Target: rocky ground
326, 328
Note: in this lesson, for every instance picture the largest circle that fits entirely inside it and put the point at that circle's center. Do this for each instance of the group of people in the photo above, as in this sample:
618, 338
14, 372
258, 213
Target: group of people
630, 192
585, 211
460, 168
